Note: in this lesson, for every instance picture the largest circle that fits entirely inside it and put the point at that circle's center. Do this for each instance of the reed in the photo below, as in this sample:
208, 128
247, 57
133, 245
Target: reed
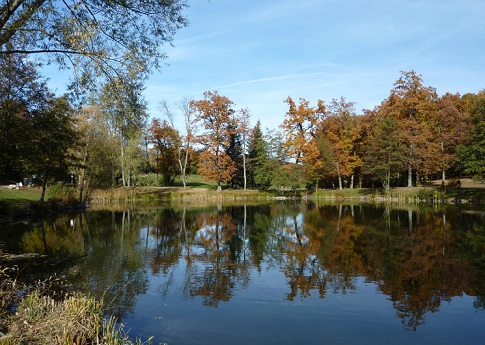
75, 319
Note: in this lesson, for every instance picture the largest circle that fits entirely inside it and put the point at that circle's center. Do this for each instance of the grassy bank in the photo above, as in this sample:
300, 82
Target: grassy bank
153, 195
400, 195
13, 201
25, 201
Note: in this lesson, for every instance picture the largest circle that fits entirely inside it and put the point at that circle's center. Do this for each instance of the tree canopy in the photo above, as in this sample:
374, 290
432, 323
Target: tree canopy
96, 38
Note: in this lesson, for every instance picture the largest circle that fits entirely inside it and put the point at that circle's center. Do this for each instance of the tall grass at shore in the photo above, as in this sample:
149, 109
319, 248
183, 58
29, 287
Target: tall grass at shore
30, 316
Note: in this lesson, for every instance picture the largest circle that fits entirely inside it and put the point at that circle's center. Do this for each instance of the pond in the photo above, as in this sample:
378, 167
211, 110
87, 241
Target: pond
277, 273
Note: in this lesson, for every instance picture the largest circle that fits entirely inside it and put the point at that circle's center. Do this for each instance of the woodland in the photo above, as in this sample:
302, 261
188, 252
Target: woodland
101, 135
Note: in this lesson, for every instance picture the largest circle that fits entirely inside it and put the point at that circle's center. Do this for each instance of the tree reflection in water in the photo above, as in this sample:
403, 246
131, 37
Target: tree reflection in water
420, 258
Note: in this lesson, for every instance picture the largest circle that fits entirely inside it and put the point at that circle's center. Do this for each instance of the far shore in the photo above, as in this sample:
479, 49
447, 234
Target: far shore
24, 201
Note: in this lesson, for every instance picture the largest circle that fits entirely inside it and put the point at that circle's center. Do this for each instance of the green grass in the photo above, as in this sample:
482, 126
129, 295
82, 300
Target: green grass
197, 182
12, 200
21, 201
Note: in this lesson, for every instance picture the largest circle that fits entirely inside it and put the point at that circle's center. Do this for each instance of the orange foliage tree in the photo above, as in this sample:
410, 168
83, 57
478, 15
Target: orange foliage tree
414, 106
300, 126
217, 117
342, 131
450, 127
166, 141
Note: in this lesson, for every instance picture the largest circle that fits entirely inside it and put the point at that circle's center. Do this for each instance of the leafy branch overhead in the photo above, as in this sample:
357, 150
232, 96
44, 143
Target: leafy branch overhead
96, 38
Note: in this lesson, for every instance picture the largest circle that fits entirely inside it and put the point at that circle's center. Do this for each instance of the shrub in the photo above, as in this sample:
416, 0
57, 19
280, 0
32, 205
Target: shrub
149, 180
59, 191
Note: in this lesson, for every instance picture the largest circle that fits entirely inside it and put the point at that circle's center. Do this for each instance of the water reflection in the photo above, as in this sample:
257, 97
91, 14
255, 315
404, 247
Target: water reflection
419, 258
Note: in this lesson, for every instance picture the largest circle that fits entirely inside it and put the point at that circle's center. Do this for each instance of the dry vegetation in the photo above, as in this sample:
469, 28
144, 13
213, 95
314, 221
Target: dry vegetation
33, 316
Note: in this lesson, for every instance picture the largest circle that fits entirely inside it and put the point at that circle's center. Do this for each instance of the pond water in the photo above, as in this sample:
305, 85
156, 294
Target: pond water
279, 273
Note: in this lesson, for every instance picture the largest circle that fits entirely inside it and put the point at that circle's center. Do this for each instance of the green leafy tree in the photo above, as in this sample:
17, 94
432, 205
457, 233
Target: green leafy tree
259, 173
327, 157
472, 155
94, 37
22, 91
278, 168
51, 136
95, 153
386, 152
235, 151
123, 103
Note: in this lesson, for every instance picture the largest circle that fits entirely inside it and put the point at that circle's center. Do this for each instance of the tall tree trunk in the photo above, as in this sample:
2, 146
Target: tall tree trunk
44, 187
443, 172
387, 182
182, 172
410, 175
244, 170
183, 166
123, 165
81, 186
388, 174
82, 176
339, 177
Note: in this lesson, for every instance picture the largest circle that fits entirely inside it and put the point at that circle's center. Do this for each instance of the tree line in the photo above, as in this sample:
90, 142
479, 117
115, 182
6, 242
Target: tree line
102, 134
412, 137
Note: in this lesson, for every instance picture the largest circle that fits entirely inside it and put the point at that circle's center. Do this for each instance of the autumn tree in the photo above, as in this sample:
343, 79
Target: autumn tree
216, 115
414, 106
166, 143
299, 127
94, 37
366, 123
341, 130
450, 128
184, 145
36, 127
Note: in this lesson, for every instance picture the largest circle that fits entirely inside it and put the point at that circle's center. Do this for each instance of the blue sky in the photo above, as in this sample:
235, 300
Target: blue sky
259, 52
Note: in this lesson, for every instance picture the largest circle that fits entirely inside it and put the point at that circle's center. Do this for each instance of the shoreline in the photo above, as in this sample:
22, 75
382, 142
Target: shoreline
14, 206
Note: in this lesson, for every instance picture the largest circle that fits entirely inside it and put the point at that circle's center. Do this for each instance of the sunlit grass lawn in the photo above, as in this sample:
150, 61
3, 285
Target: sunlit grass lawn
196, 181
19, 199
